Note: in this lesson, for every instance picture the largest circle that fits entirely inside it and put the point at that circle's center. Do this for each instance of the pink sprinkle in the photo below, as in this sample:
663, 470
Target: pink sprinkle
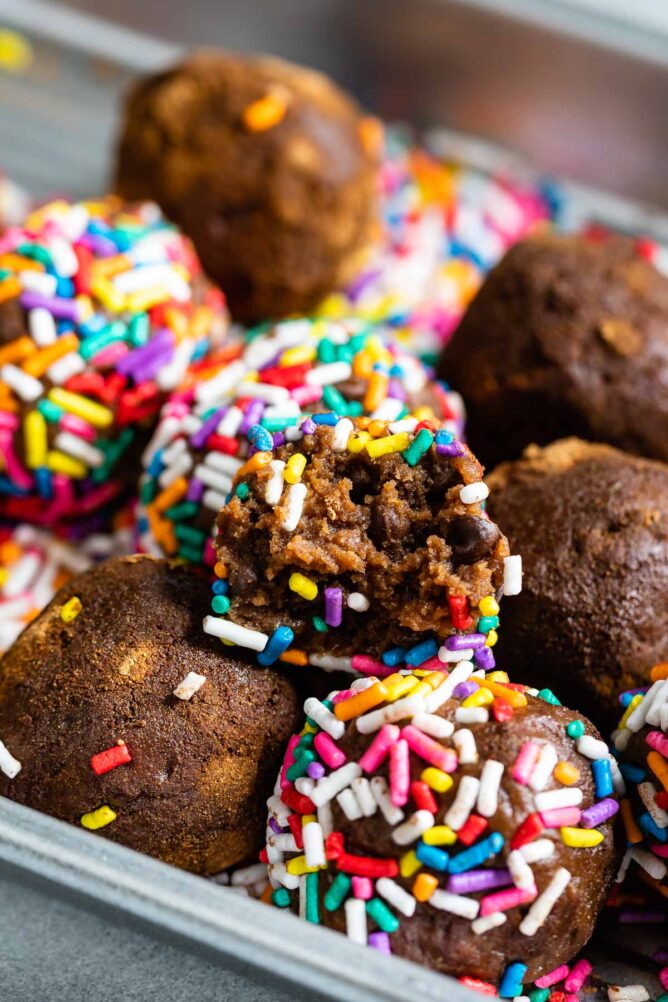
328, 750
288, 761
553, 978
660, 850
377, 751
362, 888
343, 695
110, 355
14, 469
502, 901
400, 773
578, 976
367, 666
209, 555
432, 664
74, 424
663, 977
98, 497
305, 395
658, 741
428, 749
561, 816
8, 420
525, 762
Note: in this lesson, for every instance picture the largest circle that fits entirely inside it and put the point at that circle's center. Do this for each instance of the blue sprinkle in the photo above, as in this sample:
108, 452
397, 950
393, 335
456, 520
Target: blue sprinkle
633, 773
511, 982
444, 437
477, 854
156, 465
330, 419
650, 827
396, 371
44, 482
394, 656
602, 778
433, 857
220, 587
7, 486
278, 642
261, 438
421, 652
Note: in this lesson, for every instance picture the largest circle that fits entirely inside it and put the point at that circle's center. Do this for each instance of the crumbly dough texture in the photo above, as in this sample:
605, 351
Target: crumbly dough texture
201, 769
591, 524
398, 534
567, 336
279, 215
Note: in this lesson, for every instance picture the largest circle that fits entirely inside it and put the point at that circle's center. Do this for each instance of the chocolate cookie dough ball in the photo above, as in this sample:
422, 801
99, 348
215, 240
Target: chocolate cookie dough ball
103, 311
117, 713
567, 336
360, 536
454, 820
269, 167
591, 524
254, 397
641, 744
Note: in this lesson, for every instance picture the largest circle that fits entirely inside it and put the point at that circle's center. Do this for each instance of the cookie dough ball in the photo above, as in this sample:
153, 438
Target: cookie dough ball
269, 167
591, 524
641, 743
255, 396
126, 719
567, 336
103, 311
359, 536
454, 820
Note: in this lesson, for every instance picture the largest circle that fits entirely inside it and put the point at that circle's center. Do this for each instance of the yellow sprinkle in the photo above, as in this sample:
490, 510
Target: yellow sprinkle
34, 430
436, 779
103, 290
298, 866
439, 835
4, 574
99, 818
630, 708
376, 348
488, 606
16, 53
356, 443
421, 689
255, 463
60, 462
71, 609
424, 886
294, 468
581, 838
498, 676
424, 413
492, 638
308, 819
409, 864
392, 443
433, 678
303, 586
398, 685
309, 729
481, 697
87, 410
298, 355
335, 305
265, 113
566, 773
146, 299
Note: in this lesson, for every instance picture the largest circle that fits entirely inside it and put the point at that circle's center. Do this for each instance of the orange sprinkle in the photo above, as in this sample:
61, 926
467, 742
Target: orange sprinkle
659, 767
424, 886
512, 696
566, 773
377, 428
220, 570
363, 365
376, 390
265, 113
361, 702
434, 678
371, 134
265, 897
659, 671
9, 552
17, 350
170, 495
37, 364
254, 464
9, 289
163, 531
177, 322
16, 262
109, 266
633, 833
294, 657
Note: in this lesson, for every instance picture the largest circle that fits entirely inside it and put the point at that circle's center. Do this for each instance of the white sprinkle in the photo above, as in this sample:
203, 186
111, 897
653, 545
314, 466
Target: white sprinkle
536, 852
618, 781
490, 781
542, 770
473, 493
396, 896
324, 718
173, 451
487, 922
64, 259
42, 326
349, 804
328, 787
305, 785
26, 387
411, 829
213, 500
279, 876
326, 819
357, 602
647, 793
520, 870
164, 433
408, 424
462, 805
294, 506
331, 372
658, 704
623, 867
388, 409
330, 662
362, 790
226, 630
471, 715
549, 800
314, 844
430, 723
512, 575
169, 376
247, 875
17, 607
78, 447
178, 468
343, 429
8, 764
189, 686
460, 673
628, 993
592, 747
283, 843
220, 385
458, 904
355, 910
22, 574
302, 896
545, 902
266, 392
639, 715
43, 285
66, 367
392, 814
228, 426
453, 657
274, 488
464, 742
400, 710
279, 811
649, 862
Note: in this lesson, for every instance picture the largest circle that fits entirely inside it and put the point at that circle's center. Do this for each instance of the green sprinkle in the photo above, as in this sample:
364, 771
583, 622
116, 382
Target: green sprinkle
338, 892
334, 400
312, 904
190, 555
278, 423
382, 915
4, 273
539, 995
305, 741
188, 534
148, 491
430, 359
328, 703
220, 604
49, 410
184, 510
242, 491
549, 697
344, 353
113, 452
354, 408
575, 729
326, 351
487, 623
281, 897
357, 342
320, 624
420, 444
96, 342
300, 766
36, 252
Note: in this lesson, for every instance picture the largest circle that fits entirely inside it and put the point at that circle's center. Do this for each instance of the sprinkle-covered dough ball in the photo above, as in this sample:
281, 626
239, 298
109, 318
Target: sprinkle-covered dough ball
268, 166
455, 820
591, 524
567, 336
103, 311
122, 716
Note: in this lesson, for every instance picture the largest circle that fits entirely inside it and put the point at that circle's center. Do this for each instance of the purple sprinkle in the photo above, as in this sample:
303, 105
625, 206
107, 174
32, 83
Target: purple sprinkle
478, 880
599, 812
195, 490
462, 642
162, 341
275, 827
484, 658
316, 770
660, 957
632, 693
453, 448
99, 245
464, 689
63, 309
635, 915
333, 606
252, 416
396, 390
308, 427
209, 426
151, 367
357, 287
279, 439
380, 941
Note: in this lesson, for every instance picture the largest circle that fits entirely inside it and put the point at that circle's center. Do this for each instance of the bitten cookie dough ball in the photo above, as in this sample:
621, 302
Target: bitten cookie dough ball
126, 719
641, 743
269, 167
103, 311
567, 336
591, 524
454, 820
354, 538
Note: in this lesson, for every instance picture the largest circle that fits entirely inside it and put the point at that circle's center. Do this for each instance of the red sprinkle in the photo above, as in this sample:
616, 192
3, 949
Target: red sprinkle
460, 612
263, 857
423, 797
501, 710
530, 829
289, 376
482, 987
299, 802
107, 760
295, 823
662, 799
334, 845
222, 443
365, 866
471, 829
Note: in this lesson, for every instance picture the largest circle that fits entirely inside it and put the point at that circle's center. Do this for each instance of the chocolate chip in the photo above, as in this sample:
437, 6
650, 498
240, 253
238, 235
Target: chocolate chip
471, 538
389, 522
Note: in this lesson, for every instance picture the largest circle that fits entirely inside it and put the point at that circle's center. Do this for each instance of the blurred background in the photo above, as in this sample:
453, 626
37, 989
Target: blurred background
577, 87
